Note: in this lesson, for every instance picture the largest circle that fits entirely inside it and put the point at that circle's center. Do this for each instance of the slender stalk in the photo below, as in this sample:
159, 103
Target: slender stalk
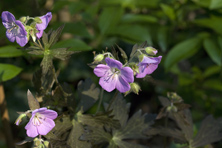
100, 100
5, 119
166, 125
113, 100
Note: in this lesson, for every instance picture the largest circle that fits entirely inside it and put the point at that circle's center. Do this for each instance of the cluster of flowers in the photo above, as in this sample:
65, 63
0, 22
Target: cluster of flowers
114, 75
20, 31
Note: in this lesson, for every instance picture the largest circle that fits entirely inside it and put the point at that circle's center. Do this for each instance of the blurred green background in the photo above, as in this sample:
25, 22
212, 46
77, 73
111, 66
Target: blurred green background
187, 33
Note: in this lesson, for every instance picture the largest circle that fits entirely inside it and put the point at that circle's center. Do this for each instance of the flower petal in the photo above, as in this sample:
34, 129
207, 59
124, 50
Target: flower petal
108, 82
113, 63
10, 36
7, 19
40, 110
22, 30
45, 21
21, 40
122, 85
31, 130
51, 114
100, 70
142, 70
46, 126
39, 34
149, 60
127, 74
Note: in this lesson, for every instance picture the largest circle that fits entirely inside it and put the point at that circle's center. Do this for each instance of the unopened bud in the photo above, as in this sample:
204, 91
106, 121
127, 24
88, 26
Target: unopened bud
23, 19
37, 20
135, 88
46, 143
141, 57
151, 50
174, 97
98, 58
19, 119
172, 108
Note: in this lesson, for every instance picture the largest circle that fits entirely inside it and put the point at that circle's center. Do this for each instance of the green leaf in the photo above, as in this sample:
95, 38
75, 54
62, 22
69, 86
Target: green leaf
168, 11
73, 140
109, 18
134, 128
209, 132
132, 33
61, 53
33, 103
10, 51
213, 84
213, 23
36, 52
73, 45
123, 53
213, 51
120, 110
211, 71
203, 3
54, 36
88, 94
138, 18
182, 50
215, 4
46, 63
136, 47
8, 71
124, 144
162, 37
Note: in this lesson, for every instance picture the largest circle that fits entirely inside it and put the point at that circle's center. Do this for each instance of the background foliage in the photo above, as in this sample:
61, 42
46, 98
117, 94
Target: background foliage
188, 34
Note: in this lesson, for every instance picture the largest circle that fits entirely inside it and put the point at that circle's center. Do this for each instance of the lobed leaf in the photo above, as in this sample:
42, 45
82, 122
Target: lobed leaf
33, 103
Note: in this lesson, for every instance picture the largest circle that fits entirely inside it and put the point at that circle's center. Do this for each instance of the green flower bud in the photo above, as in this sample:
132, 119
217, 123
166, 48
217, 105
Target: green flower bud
98, 58
46, 143
141, 57
135, 88
23, 19
151, 50
174, 97
37, 20
172, 108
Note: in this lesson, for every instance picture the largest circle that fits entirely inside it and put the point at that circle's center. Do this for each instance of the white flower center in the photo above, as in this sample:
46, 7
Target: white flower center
37, 120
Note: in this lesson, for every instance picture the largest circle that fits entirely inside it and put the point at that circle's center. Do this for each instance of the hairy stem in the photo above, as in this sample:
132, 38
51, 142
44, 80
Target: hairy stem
100, 100
113, 100
5, 119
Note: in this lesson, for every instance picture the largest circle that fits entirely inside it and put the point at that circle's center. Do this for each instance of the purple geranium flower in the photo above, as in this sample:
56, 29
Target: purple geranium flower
148, 66
41, 122
113, 75
15, 29
45, 21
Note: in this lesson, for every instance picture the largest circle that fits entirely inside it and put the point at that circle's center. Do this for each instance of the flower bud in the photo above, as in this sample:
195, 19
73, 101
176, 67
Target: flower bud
98, 58
172, 108
151, 50
135, 88
19, 119
174, 97
23, 19
37, 20
141, 57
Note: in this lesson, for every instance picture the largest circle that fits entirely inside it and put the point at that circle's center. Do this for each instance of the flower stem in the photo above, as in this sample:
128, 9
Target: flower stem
5, 119
113, 100
100, 100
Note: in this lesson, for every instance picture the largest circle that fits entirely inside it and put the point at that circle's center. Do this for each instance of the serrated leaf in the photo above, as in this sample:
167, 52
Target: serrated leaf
73, 139
96, 135
168, 132
45, 40
136, 46
33, 103
10, 51
164, 101
123, 144
88, 94
54, 36
209, 132
134, 128
62, 53
109, 18
213, 51
120, 110
181, 51
36, 52
8, 71
27, 139
98, 120
73, 45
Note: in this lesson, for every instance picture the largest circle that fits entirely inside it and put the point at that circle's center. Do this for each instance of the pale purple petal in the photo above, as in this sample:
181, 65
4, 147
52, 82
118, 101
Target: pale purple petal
10, 36
45, 21
31, 130
39, 110
21, 40
142, 73
108, 83
39, 34
127, 74
7, 19
22, 30
122, 85
150, 60
100, 70
51, 114
113, 63
46, 126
